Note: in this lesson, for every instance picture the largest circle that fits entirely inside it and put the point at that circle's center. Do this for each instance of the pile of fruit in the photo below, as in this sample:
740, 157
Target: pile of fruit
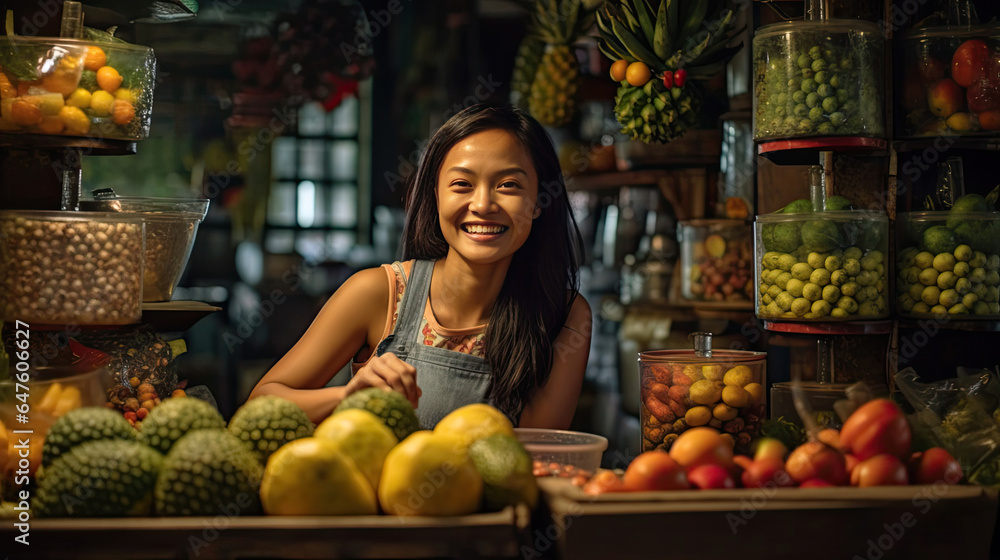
813, 84
822, 266
720, 269
951, 87
369, 457
949, 264
678, 397
871, 449
102, 90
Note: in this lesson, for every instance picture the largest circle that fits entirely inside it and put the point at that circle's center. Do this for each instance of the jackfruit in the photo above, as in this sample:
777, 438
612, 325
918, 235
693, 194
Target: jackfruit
268, 422
175, 417
77, 426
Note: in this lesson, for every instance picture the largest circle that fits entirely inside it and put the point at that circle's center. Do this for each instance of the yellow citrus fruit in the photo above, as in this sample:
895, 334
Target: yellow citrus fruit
102, 103
738, 376
429, 474
474, 422
51, 124
310, 476
723, 411
706, 392
76, 121
109, 79
79, 98
734, 396
95, 58
126, 94
698, 416
637, 74
362, 436
756, 391
694, 373
713, 372
618, 70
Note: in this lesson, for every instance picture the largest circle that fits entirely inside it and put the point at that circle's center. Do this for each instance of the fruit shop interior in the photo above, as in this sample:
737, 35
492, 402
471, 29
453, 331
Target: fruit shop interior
305, 173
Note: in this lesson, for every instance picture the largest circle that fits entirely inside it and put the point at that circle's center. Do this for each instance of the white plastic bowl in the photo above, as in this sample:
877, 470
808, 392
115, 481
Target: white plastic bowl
579, 449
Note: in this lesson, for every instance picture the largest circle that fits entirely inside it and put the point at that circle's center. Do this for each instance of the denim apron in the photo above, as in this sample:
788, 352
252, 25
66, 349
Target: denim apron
448, 379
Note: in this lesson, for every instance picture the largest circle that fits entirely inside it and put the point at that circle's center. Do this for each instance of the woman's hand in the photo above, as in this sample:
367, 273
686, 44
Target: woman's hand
390, 372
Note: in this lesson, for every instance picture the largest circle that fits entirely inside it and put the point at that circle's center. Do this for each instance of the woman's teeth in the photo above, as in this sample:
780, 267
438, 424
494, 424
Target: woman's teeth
483, 229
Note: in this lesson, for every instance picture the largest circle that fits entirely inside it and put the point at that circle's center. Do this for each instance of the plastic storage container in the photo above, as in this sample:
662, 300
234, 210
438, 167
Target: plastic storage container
577, 449
822, 266
716, 260
171, 227
821, 398
680, 389
82, 268
76, 87
948, 264
818, 78
949, 81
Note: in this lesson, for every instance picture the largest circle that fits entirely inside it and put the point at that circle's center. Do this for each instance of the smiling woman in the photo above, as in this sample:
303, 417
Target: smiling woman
485, 305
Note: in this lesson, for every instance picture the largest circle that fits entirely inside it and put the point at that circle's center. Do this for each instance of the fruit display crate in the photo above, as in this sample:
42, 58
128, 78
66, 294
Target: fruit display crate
497, 535
907, 522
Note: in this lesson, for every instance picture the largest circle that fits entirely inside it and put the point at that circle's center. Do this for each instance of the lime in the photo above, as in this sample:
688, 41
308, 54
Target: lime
939, 239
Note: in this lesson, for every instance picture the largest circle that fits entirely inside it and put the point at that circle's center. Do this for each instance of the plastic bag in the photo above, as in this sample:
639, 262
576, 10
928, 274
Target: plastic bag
959, 414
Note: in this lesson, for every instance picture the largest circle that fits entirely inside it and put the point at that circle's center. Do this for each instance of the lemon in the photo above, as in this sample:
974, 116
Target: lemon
705, 391
756, 391
102, 102
738, 376
310, 476
723, 411
79, 98
693, 372
734, 396
362, 436
698, 416
430, 474
713, 372
473, 422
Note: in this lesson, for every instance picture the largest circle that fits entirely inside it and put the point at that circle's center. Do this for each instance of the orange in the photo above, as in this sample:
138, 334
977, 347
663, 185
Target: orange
109, 79
25, 113
95, 58
123, 112
618, 70
638, 74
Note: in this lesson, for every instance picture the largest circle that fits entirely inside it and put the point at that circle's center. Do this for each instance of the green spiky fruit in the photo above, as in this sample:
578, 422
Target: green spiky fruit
526, 62
268, 422
104, 478
81, 425
174, 417
652, 113
209, 472
391, 408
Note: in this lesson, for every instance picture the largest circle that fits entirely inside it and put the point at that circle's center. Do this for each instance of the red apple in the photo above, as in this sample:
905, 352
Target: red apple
945, 97
710, 477
880, 470
989, 120
816, 459
933, 466
767, 472
654, 470
876, 427
983, 95
930, 69
970, 62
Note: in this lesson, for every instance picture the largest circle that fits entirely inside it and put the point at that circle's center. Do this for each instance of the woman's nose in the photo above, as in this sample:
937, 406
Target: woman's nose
482, 200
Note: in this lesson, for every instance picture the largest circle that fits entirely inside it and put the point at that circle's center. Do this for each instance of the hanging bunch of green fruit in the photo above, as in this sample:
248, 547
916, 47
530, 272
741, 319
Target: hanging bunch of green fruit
546, 74
658, 48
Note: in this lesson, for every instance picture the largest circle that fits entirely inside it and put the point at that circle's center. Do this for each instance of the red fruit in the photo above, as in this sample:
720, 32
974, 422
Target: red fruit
815, 483
945, 98
603, 482
830, 436
970, 62
983, 95
989, 120
877, 427
680, 77
141, 413
654, 470
880, 470
931, 69
130, 416
933, 466
701, 446
668, 79
768, 473
816, 459
710, 477
742, 462
850, 461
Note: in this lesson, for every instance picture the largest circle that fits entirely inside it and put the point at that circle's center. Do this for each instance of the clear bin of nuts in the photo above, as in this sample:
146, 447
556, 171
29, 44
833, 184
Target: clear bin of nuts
681, 389
716, 260
171, 227
81, 268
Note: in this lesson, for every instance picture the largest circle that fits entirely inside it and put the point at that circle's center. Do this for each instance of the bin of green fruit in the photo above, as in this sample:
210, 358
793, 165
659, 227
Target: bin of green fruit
948, 262
100, 88
821, 266
818, 78
950, 78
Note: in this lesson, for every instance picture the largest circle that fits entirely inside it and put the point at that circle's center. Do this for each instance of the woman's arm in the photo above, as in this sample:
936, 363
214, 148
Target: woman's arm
353, 316
554, 404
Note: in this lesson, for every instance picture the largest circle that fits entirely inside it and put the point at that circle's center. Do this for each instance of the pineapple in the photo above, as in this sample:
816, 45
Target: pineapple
529, 56
552, 97
676, 40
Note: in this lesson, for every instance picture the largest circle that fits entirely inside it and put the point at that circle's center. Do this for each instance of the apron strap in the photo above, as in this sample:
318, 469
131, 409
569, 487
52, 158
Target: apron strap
412, 308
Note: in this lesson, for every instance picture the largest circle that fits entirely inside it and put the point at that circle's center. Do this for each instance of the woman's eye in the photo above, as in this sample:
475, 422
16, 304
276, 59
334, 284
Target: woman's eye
509, 185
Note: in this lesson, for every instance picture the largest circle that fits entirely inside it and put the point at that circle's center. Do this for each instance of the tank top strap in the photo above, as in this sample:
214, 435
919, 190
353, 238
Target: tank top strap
414, 302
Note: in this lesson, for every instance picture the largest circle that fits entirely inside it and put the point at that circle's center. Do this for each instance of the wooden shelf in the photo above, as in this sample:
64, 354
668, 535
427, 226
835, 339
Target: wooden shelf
685, 188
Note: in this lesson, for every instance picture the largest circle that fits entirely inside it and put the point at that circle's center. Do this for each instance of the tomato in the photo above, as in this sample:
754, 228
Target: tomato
933, 466
768, 472
816, 459
710, 477
880, 470
970, 61
654, 470
876, 427
700, 446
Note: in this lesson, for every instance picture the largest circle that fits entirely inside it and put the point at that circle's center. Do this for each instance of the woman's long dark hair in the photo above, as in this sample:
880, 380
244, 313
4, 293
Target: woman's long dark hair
543, 278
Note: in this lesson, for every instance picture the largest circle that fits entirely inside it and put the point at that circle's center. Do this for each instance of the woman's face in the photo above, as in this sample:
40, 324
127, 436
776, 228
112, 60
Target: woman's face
486, 194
